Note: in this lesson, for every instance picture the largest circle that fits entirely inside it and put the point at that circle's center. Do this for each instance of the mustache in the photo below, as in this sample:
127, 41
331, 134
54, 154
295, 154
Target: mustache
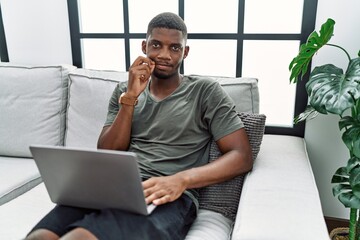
163, 64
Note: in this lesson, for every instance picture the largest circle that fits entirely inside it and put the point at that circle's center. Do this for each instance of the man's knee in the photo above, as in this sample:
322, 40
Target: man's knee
42, 234
79, 234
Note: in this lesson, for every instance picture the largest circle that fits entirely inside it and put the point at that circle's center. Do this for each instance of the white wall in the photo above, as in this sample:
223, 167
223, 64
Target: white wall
326, 150
37, 31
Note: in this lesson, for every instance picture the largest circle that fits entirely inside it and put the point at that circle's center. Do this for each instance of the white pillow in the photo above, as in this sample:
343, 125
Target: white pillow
32, 107
90, 92
244, 91
89, 95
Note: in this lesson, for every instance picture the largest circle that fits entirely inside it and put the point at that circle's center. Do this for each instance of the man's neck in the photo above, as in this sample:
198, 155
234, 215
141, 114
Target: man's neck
161, 88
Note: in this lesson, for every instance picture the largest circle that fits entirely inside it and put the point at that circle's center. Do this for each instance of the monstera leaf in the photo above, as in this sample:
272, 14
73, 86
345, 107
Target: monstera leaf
315, 41
355, 181
308, 114
346, 182
331, 91
343, 188
351, 135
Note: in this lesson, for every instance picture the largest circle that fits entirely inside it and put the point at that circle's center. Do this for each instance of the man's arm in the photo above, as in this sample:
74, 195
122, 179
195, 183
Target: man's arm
236, 159
117, 135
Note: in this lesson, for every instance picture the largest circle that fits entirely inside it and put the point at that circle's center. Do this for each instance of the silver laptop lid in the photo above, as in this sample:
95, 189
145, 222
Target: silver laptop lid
91, 178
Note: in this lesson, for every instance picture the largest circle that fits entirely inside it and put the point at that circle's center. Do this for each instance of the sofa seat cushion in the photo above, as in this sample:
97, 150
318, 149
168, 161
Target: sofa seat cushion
32, 106
210, 225
35, 204
280, 195
21, 214
17, 175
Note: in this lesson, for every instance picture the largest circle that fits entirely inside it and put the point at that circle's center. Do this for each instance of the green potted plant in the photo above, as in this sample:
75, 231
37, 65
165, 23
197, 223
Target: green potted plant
331, 90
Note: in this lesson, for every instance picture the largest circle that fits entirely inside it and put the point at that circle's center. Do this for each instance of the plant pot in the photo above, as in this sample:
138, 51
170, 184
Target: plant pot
339, 234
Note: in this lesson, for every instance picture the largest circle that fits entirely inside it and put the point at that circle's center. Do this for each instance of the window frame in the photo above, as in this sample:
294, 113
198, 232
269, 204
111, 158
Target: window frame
3, 46
308, 25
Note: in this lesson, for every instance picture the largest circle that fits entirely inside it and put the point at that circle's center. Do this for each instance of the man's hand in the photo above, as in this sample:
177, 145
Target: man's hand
139, 74
160, 190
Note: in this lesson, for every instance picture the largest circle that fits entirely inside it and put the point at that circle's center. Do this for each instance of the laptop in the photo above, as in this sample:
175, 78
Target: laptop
91, 178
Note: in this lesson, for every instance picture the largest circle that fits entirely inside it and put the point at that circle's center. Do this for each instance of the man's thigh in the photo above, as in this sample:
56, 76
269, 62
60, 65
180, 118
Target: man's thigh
60, 217
168, 221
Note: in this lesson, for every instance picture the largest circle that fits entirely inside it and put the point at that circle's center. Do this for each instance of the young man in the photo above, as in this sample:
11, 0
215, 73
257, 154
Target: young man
168, 120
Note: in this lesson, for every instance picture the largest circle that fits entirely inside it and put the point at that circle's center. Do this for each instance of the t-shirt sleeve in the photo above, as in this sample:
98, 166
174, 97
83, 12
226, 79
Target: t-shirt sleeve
219, 112
114, 107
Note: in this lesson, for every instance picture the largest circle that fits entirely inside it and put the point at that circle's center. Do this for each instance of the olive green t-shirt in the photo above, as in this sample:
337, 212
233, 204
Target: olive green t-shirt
173, 134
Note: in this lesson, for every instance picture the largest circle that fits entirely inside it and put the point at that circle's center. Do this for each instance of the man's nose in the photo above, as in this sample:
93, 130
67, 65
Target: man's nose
165, 53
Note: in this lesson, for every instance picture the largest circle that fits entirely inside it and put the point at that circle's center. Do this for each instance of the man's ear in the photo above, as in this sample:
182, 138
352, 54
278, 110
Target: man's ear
143, 47
186, 51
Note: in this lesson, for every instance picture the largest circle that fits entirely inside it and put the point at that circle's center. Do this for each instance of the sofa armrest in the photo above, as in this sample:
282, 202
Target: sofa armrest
280, 199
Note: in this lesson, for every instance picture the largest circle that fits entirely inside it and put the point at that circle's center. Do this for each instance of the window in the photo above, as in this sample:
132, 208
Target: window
250, 38
3, 48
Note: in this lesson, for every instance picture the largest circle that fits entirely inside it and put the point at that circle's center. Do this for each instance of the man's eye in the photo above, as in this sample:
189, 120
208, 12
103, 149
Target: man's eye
156, 45
176, 48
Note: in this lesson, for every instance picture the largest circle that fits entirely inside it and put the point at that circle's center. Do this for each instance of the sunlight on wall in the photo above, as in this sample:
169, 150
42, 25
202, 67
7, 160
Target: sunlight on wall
269, 61
264, 16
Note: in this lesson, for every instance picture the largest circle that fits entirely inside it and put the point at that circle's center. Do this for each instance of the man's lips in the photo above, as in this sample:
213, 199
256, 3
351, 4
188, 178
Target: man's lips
162, 66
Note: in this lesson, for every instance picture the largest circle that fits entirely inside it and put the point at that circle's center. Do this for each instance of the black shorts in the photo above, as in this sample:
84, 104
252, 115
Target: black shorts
167, 221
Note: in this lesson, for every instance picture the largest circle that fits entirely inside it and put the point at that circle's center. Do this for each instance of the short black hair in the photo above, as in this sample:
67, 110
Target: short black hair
167, 20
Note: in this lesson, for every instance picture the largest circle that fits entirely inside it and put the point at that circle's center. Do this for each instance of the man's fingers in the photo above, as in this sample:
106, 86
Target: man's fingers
162, 200
145, 64
137, 61
144, 68
147, 61
140, 60
158, 198
151, 196
148, 183
148, 191
148, 65
159, 190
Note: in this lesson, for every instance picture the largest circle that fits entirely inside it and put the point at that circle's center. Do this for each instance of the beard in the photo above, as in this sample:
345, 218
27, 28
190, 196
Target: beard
163, 75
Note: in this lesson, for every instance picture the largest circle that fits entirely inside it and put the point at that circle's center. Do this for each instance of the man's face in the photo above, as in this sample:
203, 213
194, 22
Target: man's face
166, 47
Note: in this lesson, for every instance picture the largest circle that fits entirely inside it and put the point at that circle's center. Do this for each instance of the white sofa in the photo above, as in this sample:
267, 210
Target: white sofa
62, 105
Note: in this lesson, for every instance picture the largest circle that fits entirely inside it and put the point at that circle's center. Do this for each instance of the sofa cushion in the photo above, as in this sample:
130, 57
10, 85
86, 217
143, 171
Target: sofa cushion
224, 197
21, 214
210, 225
34, 204
85, 119
270, 207
243, 91
17, 175
32, 104
280, 199
89, 95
